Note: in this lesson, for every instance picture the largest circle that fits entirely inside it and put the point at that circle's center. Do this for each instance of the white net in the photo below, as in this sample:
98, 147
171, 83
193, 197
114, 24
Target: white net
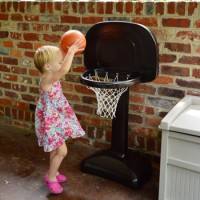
107, 99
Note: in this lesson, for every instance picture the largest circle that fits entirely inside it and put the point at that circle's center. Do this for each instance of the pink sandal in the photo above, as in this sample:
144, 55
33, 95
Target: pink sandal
61, 178
53, 186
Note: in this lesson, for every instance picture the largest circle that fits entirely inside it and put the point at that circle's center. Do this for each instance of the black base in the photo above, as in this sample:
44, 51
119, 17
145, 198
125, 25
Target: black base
132, 169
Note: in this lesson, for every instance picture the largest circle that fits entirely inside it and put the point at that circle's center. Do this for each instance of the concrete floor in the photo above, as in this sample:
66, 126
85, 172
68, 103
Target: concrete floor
23, 163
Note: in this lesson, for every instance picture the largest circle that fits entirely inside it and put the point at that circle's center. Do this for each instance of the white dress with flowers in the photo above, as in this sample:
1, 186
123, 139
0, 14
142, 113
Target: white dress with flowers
55, 121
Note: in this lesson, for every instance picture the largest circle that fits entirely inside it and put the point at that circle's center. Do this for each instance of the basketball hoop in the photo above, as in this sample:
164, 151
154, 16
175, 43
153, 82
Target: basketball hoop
108, 87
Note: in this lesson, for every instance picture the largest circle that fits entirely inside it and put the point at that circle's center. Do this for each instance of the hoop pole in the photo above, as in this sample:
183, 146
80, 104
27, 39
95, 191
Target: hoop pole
120, 126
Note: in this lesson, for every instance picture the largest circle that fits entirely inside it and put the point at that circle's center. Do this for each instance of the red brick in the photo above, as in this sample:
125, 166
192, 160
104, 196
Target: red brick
66, 5
5, 102
5, 85
159, 8
27, 97
30, 17
3, 7
58, 6
191, 8
188, 83
67, 86
19, 70
100, 8
147, 21
42, 7
181, 8
108, 135
8, 44
72, 97
27, 116
120, 7
143, 88
91, 120
22, 6
16, 35
31, 36
74, 7
25, 45
171, 8
165, 58
171, 92
16, 17
196, 73
10, 61
3, 16
149, 110
33, 72
99, 133
91, 20
4, 34
9, 6
139, 8
89, 100
135, 118
23, 26
178, 47
176, 71
136, 108
197, 23
141, 130
11, 94
91, 132
82, 7
129, 7
83, 108
70, 19
10, 77
16, 53
79, 69
56, 27
15, 6
50, 7
14, 113
171, 22
51, 38
29, 54
91, 7
83, 89
109, 8
191, 35
194, 60
4, 68
136, 98
20, 88
20, 114
163, 80
8, 112
34, 90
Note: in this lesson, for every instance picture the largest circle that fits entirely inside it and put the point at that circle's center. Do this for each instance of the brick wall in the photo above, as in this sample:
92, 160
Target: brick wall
24, 26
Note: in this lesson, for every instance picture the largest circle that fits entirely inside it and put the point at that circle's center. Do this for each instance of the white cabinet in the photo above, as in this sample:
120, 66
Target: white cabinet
180, 152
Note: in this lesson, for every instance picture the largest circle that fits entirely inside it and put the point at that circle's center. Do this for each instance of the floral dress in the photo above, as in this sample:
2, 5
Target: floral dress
55, 121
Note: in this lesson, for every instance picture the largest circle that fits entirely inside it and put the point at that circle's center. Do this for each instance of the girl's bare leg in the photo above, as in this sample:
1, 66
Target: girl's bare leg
56, 158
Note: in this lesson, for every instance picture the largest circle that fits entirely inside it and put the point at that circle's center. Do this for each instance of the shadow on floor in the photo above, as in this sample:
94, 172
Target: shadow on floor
23, 163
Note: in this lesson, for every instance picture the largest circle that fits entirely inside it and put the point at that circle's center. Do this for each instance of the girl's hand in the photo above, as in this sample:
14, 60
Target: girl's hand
77, 46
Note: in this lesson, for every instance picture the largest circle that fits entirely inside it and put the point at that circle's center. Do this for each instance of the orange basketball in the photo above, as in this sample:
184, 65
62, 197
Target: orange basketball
70, 37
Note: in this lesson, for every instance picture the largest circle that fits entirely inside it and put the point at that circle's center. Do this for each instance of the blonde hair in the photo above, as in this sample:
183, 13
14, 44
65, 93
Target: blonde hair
44, 55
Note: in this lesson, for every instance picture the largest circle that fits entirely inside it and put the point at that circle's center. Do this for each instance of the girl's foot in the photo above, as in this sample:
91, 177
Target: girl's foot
53, 186
61, 178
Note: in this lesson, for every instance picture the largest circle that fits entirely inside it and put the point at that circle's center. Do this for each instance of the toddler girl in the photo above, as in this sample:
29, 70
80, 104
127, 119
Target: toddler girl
55, 121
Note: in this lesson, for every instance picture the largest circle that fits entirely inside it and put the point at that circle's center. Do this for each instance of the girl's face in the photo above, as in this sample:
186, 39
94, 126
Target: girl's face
56, 62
